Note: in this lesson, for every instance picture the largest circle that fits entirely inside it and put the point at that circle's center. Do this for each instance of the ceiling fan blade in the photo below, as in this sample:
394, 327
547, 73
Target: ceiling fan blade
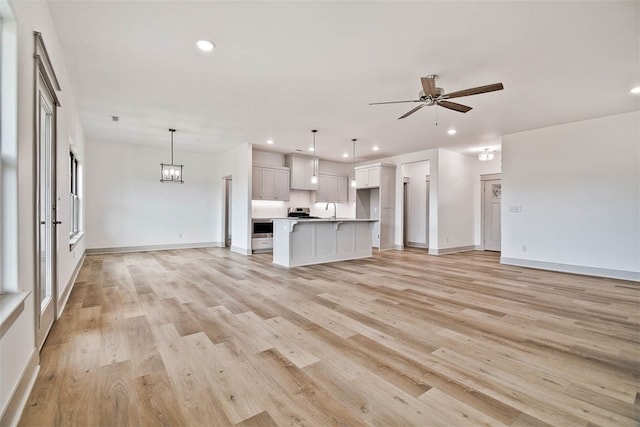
454, 106
474, 91
429, 85
394, 102
411, 112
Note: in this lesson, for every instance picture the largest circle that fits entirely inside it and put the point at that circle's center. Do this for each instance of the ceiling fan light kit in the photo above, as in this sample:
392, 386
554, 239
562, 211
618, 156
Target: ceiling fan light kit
486, 155
432, 95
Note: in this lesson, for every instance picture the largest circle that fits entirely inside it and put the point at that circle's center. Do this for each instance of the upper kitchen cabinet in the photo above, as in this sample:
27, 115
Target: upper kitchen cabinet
302, 169
270, 183
368, 176
332, 188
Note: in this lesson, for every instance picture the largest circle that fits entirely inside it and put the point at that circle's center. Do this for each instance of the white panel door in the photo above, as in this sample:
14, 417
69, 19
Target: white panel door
492, 195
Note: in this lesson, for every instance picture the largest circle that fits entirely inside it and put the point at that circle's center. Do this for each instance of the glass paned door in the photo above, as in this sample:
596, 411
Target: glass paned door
46, 219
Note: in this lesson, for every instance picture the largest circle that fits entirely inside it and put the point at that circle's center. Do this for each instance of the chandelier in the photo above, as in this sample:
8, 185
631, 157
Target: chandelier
171, 172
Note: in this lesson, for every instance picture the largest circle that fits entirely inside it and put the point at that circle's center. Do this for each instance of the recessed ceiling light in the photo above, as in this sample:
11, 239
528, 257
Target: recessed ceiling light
451, 131
310, 148
376, 148
635, 90
345, 155
205, 45
269, 141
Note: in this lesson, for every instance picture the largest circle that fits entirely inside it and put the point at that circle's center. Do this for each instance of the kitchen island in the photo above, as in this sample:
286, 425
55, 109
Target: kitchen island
298, 242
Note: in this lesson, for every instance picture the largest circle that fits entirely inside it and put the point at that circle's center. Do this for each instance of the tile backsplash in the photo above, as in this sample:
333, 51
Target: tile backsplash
299, 199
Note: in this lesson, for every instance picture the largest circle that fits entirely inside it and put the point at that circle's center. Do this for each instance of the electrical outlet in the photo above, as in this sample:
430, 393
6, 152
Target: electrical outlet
524, 248
446, 240
515, 209
180, 236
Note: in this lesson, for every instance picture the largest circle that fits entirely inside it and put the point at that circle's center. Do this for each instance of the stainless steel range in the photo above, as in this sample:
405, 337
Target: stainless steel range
300, 213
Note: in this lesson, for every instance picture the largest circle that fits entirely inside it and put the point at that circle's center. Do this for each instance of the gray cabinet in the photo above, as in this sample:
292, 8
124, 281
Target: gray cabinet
343, 189
269, 183
368, 177
332, 188
302, 168
375, 199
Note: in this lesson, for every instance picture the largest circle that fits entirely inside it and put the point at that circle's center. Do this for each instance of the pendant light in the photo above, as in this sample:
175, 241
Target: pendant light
171, 172
314, 178
353, 180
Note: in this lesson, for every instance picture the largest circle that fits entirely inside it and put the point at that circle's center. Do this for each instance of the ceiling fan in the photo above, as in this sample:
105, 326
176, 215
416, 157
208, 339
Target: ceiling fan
432, 95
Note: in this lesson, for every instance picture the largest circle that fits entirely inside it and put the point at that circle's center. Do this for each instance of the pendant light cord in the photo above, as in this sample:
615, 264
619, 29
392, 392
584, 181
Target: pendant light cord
354, 152
315, 156
172, 132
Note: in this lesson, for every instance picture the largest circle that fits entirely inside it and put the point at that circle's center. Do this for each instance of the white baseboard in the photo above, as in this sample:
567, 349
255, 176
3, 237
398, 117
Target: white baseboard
241, 251
13, 411
417, 245
575, 269
444, 251
124, 249
398, 247
62, 301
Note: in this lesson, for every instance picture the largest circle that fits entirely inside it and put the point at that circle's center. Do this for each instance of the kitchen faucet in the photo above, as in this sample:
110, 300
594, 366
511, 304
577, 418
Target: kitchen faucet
334, 209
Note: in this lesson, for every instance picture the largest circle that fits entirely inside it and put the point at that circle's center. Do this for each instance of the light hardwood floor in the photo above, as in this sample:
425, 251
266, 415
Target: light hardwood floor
207, 337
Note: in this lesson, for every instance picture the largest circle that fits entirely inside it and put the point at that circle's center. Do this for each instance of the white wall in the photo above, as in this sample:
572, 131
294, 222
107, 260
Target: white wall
456, 216
128, 206
417, 201
237, 164
18, 344
578, 186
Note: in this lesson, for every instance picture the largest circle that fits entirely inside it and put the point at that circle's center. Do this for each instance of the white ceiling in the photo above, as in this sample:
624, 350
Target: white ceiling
283, 68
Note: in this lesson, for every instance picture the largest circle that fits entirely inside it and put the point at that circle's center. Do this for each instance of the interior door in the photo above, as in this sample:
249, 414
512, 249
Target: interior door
47, 222
492, 195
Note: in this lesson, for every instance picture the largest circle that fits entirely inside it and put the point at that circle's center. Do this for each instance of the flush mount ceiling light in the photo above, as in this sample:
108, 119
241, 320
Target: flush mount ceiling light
452, 131
270, 141
376, 148
171, 172
635, 90
205, 45
345, 155
486, 155
314, 178
353, 162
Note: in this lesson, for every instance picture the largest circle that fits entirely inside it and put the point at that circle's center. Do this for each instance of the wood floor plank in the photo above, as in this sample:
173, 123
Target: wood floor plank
210, 337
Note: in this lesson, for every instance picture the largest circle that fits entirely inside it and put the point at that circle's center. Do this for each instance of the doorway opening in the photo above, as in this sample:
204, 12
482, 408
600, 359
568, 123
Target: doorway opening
415, 199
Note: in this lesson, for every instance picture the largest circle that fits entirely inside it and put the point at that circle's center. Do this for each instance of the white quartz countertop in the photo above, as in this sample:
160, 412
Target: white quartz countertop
325, 219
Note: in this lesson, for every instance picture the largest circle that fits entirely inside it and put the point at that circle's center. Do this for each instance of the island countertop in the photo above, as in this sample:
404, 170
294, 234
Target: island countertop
325, 219
305, 241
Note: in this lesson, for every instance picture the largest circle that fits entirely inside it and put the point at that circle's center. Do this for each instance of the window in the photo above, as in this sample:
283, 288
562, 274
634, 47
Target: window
8, 151
74, 179
11, 296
